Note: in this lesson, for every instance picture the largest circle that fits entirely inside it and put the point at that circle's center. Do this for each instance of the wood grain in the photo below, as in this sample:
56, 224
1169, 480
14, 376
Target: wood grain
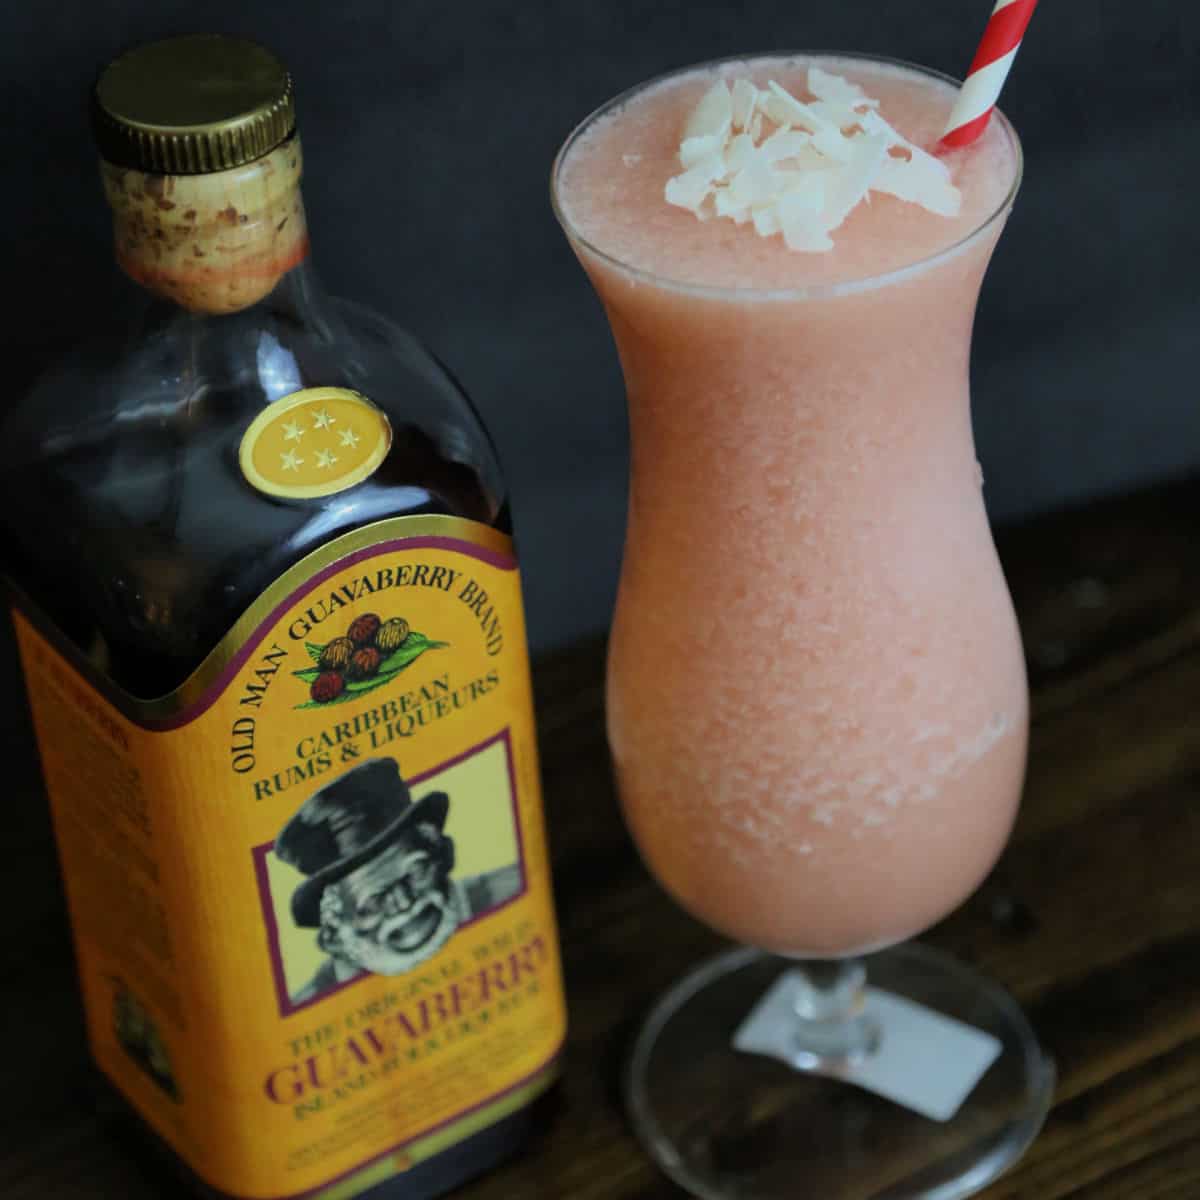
1092, 918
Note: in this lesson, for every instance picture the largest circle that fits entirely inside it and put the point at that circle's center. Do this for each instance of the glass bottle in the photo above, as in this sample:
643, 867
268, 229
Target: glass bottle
258, 542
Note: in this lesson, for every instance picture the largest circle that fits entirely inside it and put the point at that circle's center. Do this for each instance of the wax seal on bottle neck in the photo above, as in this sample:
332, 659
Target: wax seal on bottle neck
192, 105
201, 167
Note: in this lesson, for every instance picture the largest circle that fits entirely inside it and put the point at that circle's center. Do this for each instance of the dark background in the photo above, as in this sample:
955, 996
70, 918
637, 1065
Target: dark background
443, 119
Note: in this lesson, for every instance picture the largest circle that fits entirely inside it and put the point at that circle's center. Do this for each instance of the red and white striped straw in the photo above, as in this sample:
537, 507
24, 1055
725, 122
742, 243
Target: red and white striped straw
992, 62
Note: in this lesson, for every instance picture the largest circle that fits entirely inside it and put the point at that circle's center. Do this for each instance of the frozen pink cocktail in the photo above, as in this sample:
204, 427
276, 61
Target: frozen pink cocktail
817, 699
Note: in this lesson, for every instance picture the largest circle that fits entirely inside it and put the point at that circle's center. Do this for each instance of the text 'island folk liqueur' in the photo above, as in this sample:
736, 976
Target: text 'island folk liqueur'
271, 626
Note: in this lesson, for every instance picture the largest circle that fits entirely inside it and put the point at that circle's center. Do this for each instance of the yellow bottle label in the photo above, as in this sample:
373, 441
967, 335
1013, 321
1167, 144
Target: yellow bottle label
310, 890
314, 442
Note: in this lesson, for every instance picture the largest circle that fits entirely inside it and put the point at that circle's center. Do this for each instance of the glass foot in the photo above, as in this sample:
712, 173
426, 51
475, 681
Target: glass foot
724, 1123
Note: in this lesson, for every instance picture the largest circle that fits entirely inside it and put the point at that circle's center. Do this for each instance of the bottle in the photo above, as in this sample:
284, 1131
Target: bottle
270, 621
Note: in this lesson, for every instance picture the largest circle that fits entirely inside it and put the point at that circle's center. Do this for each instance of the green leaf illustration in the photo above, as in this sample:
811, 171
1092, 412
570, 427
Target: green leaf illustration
402, 657
314, 651
408, 651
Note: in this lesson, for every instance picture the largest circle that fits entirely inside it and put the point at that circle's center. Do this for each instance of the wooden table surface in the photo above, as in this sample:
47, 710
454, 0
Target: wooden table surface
1092, 917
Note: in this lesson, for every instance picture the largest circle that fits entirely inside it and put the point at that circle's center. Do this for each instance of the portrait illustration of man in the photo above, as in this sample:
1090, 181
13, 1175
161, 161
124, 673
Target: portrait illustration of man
380, 889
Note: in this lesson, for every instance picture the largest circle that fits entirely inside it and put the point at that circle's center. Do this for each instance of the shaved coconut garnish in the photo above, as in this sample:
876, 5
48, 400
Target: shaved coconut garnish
745, 100
797, 167
739, 152
784, 109
754, 185
836, 90
766, 220
785, 143
708, 127
856, 177
912, 173
692, 188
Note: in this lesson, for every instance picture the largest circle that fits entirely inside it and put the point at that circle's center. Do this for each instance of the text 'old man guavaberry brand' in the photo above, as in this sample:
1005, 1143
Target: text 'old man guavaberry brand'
272, 629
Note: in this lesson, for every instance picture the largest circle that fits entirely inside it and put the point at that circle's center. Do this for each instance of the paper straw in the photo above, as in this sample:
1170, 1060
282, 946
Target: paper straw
989, 69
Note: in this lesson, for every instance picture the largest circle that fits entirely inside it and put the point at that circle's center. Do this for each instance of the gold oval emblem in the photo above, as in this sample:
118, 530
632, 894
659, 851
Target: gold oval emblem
314, 442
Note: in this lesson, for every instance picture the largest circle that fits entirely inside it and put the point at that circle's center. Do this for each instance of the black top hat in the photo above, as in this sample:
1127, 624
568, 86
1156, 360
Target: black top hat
348, 823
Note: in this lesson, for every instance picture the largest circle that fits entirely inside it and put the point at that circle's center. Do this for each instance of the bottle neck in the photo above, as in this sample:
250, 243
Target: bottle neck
215, 243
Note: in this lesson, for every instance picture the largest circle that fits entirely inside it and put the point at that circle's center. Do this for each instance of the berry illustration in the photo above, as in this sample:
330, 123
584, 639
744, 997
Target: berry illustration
362, 629
336, 655
364, 664
391, 635
328, 686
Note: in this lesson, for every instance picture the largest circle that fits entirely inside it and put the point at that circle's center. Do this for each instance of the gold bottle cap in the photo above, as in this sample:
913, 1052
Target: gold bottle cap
192, 105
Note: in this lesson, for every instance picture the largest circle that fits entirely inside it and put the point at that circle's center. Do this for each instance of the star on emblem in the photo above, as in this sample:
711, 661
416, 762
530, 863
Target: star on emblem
349, 437
293, 431
291, 462
326, 458
322, 419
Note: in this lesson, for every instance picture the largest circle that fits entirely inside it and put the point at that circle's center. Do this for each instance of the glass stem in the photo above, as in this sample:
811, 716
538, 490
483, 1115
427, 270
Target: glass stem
832, 1028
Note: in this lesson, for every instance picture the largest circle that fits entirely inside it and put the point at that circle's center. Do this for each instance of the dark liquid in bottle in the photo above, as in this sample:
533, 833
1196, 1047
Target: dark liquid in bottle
180, 544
